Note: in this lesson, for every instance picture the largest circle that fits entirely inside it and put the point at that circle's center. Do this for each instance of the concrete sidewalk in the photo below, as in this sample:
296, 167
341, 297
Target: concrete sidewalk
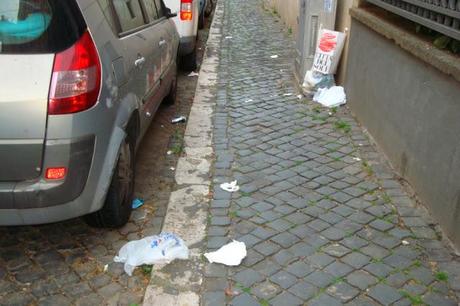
325, 219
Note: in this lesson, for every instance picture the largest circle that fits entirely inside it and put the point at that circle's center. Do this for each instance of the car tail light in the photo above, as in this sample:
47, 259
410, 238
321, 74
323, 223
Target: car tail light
76, 78
55, 173
186, 12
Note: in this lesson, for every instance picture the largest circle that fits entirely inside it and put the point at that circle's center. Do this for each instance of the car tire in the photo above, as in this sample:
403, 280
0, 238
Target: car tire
170, 99
201, 21
118, 203
188, 61
209, 8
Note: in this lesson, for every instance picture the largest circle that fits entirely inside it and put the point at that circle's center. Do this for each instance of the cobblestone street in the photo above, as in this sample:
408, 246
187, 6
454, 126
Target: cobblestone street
325, 219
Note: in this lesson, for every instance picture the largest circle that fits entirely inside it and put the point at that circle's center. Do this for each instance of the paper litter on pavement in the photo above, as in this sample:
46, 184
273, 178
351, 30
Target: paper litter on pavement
230, 254
137, 203
179, 119
230, 187
193, 74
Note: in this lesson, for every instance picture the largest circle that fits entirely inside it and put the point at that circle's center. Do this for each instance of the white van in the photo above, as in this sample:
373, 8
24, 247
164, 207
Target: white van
186, 21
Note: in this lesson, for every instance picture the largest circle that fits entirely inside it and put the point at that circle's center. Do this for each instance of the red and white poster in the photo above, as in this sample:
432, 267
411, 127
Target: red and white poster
328, 51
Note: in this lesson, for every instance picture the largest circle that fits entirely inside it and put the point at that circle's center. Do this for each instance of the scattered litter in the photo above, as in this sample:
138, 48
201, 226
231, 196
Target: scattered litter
230, 254
230, 187
248, 100
193, 74
230, 292
330, 113
179, 119
288, 94
315, 80
299, 97
169, 152
158, 249
106, 267
274, 56
357, 158
162, 126
328, 51
405, 242
228, 37
325, 62
331, 97
172, 168
137, 203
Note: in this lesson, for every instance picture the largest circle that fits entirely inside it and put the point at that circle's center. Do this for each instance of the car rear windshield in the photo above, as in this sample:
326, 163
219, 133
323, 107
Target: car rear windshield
39, 26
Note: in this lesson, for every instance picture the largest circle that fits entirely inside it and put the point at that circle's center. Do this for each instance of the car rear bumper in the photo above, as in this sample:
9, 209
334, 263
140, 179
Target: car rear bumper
43, 201
187, 45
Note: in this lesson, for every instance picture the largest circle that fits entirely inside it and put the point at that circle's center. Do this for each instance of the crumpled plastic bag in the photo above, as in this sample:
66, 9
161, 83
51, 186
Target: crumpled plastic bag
157, 249
230, 254
230, 187
331, 97
315, 80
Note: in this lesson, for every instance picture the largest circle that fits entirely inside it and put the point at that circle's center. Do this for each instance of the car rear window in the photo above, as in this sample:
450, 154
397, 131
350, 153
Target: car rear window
39, 26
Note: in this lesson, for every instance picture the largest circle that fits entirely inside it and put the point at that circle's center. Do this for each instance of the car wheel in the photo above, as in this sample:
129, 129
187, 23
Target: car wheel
170, 99
201, 21
118, 203
188, 61
209, 8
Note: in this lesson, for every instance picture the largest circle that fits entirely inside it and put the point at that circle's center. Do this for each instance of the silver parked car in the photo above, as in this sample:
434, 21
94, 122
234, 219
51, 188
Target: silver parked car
80, 82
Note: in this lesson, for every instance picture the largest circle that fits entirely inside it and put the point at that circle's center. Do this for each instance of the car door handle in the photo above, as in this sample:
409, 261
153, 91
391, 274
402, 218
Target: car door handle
139, 62
162, 42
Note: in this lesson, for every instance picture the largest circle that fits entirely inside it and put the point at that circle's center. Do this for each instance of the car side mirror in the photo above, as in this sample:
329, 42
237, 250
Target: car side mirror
167, 11
171, 15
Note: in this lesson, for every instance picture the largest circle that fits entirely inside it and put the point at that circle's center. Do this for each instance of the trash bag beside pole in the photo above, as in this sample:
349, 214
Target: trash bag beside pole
326, 61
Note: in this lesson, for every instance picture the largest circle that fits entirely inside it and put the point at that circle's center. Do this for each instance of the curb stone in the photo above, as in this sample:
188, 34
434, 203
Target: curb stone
179, 283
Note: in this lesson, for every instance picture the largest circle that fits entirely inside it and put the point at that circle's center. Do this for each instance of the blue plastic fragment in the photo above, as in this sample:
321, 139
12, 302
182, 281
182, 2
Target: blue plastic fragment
137, 203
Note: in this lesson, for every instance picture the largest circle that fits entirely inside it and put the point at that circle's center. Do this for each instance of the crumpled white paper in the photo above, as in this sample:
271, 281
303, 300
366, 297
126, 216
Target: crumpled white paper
230, 187
331, 97
193, 74
230, 254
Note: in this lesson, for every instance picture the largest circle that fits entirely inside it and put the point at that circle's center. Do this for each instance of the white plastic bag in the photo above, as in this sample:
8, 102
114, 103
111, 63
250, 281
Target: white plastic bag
230, 254
157, 249
331, 97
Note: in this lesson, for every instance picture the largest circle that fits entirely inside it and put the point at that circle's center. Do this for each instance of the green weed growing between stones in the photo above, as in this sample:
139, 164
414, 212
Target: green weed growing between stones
147, 269
342, 126
414, 299
442, 276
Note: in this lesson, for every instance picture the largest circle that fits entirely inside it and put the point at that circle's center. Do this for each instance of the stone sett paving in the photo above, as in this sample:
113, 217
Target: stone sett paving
325, 219
63, 263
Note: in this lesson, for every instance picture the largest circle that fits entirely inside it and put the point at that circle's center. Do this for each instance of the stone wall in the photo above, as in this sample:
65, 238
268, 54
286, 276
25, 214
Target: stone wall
407, 95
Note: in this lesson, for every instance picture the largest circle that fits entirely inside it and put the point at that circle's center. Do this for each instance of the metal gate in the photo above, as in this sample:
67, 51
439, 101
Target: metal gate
313, 15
